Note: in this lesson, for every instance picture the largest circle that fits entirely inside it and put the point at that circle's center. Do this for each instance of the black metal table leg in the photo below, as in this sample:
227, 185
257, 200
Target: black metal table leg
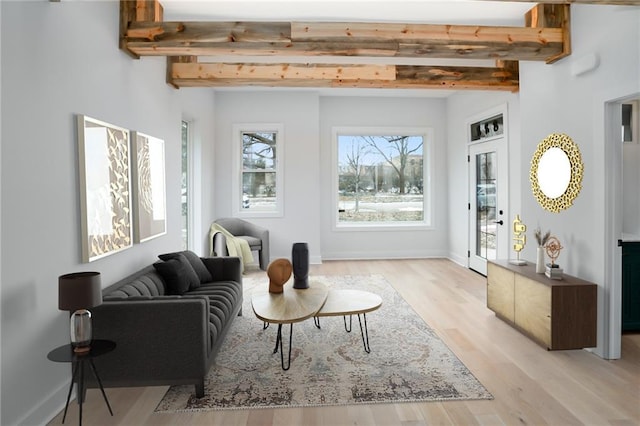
67, 353
279, 341
344, 318
80, 389
316, 321
278, 338
367, 348
104, 395
74, 374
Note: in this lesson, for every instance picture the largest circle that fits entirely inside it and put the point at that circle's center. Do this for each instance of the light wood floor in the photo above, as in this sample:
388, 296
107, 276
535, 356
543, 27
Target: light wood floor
531, 386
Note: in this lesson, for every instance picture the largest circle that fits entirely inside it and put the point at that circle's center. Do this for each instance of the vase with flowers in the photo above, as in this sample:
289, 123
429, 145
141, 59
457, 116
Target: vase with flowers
541, 239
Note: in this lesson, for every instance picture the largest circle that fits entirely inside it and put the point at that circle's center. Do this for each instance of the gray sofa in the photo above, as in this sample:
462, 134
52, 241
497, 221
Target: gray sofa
167, 334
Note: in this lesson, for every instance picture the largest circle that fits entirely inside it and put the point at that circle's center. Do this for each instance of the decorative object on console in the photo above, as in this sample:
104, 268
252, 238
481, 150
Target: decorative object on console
556, 172
542, 241
148, 187
279, 272
519, 240
77, 292
553, 248
300, 260
105, 188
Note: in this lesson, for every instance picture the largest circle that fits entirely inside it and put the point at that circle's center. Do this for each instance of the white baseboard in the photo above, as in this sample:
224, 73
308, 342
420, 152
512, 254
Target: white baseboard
44, 412
460, 260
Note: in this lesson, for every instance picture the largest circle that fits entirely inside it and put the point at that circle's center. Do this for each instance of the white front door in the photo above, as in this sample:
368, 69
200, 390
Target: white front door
489, 224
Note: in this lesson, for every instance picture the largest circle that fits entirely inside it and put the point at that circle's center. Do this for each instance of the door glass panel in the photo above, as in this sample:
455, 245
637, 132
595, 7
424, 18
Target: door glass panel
486, 176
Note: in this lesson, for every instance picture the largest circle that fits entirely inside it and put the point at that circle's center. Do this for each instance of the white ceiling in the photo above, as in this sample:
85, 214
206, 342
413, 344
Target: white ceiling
459, 12
409, 11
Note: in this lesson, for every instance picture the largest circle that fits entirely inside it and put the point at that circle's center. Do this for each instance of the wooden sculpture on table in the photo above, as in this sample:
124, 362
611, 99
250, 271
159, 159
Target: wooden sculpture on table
279, 272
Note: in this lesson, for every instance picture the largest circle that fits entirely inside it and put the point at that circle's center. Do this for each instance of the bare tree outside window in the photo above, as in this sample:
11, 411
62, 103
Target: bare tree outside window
381, 178
258, 171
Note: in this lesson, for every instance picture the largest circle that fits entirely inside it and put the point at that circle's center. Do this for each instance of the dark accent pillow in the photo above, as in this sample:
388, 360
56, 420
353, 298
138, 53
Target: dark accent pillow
172, 272
204, 276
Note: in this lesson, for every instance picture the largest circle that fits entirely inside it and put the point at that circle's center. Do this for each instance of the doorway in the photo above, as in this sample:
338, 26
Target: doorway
622, 162
488, 202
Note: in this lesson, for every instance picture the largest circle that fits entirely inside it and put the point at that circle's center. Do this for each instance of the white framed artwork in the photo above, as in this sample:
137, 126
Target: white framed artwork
105, 188
149, 187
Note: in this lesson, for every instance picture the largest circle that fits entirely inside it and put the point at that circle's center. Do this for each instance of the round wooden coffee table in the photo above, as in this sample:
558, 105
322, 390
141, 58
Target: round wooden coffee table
290, 306
350, 302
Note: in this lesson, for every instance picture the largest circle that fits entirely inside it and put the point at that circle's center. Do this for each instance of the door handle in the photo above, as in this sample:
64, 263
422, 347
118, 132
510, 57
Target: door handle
499, 222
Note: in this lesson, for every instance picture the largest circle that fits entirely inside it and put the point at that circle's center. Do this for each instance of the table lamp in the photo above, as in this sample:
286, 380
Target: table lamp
77, 292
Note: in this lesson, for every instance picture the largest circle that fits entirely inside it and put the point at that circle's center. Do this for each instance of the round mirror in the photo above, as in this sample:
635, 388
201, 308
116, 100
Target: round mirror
556, 172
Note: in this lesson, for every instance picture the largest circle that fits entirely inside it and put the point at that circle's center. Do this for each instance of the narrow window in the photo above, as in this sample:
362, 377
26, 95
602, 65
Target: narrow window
185, 185
259, 191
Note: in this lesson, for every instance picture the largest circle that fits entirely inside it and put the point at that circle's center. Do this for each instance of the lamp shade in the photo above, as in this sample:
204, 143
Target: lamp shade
79, 290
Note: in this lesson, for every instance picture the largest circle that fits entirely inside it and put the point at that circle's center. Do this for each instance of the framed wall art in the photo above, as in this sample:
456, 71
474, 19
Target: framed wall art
150, 218
105, 188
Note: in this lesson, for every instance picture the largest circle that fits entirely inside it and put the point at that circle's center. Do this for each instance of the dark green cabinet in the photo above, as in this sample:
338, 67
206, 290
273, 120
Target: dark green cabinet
631, 286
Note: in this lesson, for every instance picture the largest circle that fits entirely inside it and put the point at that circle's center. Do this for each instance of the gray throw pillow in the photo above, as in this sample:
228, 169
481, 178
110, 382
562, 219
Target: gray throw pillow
173, 274
198, 266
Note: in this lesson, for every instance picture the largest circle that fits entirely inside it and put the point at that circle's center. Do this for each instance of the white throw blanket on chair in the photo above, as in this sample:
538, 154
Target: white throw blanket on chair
236, 247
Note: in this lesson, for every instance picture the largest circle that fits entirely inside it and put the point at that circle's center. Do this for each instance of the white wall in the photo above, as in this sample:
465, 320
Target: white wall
384, 112
1, 97
71, 64
460, 110
553, 100
308, 211
298, 113
198, 109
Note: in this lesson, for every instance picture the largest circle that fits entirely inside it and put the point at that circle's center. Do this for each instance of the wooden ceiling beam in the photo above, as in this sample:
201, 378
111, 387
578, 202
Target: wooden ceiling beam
143, 33
189, 74
278, 72
552, 16
343, 39
137, 11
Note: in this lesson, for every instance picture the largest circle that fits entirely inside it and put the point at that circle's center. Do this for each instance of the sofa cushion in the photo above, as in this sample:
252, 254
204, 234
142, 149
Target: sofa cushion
148, 284
223, 297
174, 273
204, 276
254, 243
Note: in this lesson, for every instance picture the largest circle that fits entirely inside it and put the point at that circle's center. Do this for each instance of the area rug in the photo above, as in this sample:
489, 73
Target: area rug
329, 366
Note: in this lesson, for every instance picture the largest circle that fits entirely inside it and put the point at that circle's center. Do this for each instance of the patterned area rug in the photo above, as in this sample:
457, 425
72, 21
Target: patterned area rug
407, 363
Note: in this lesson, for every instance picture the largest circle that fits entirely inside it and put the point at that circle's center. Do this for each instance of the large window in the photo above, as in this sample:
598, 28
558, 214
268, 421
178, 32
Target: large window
259, 189
382, 177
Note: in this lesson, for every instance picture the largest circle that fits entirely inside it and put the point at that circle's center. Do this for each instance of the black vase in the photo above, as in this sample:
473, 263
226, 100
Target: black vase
300, 262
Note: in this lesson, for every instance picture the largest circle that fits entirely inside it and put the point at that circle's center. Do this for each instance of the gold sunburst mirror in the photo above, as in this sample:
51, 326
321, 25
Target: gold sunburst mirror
556, 172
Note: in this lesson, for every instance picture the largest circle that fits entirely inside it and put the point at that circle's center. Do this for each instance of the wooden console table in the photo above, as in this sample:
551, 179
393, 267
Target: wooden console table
557, 314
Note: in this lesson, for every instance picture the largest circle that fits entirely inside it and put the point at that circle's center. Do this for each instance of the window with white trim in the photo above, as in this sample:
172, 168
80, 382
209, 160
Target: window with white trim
185, 175
258, 189
382, 177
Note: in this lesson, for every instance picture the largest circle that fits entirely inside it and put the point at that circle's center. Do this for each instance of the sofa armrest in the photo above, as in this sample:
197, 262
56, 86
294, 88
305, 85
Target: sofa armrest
224, 268
157, 339
260, 232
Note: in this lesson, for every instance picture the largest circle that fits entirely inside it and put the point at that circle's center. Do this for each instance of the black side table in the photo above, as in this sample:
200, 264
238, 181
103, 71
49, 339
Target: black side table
65, 353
